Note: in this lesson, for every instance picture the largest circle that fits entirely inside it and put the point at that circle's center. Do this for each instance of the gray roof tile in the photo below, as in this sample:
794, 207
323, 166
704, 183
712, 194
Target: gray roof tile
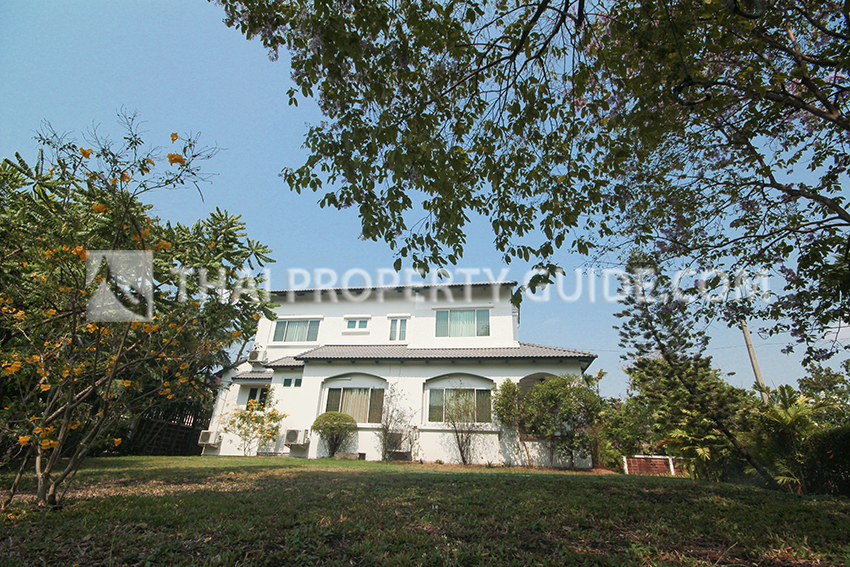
403, 352
254, 376
419, 286
285, 362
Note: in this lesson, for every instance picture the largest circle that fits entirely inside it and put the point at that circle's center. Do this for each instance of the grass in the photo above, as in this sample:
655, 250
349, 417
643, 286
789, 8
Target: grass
271, 511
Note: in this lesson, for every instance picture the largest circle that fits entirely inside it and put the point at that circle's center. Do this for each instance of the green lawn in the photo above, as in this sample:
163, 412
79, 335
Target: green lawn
272, 511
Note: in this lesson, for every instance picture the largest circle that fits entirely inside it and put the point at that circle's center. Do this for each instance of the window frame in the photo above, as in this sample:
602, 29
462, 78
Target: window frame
480, 325
371, 411
313, 325
479, 409
256, 392
398, 329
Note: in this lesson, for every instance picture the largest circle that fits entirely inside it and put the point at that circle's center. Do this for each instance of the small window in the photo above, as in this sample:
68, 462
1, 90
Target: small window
298, 382
463, 323
357, 323
258, 394
398, 329
296, 331
365, 405
287, 382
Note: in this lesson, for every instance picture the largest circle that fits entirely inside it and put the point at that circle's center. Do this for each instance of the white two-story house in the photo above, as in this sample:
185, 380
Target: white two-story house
342, 349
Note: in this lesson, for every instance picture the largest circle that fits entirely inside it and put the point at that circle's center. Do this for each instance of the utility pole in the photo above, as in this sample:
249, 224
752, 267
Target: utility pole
753, 361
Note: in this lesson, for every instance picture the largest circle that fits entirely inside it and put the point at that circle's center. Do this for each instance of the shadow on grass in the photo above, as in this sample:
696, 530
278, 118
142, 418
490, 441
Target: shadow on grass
291, 512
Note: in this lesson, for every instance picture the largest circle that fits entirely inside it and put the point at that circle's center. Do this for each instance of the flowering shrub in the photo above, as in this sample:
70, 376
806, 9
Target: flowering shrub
256, 425
69, 379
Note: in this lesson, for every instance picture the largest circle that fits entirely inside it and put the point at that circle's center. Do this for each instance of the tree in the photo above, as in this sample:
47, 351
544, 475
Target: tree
562, 410
336, 429
69, 376
826, 384
395, 430
711, 131
786, 422
683, 420
460, 414
257, 424
627, 427
664, 328
510, 407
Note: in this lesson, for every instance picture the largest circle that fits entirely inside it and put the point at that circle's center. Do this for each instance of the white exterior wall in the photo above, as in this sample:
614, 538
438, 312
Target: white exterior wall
411, 378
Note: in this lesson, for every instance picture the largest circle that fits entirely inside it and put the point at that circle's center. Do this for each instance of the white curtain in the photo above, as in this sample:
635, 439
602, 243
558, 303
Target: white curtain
296, 331
462, 324
355, 402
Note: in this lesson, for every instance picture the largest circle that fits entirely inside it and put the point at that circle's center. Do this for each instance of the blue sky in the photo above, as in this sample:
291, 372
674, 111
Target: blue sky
75, 64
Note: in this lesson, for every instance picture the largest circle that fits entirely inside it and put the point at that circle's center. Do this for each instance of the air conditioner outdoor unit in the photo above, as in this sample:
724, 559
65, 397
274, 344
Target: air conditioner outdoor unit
209, 438
257, 355
297, 437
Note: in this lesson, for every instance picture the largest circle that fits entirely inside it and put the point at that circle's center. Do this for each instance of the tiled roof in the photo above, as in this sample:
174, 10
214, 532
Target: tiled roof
395, 287
403, 352
254, 376
285, 362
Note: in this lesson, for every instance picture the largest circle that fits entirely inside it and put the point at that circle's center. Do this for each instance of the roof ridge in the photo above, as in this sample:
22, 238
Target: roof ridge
423, 285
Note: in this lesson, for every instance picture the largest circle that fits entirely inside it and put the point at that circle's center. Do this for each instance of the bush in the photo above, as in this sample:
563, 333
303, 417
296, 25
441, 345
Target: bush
335, 429
827, 463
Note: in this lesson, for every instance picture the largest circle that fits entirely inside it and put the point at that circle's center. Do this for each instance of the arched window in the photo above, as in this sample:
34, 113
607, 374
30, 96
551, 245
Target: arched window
459, 398
359, 395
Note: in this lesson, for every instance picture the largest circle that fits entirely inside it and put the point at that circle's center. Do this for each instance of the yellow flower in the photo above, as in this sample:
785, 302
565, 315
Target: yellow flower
91, 327
99, 208
125, 177
66, 373
114, 181
184, 366
126, 383
176, 158
45, 387
237, 334
11, 368
43, 431
117, 441
50, 312
75, 425
174, 137
86, 153
81, 252
150, 161
48, 444
23, 440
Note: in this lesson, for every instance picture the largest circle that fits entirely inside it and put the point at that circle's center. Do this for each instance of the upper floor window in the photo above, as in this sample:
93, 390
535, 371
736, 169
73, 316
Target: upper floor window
258, 394
365, 405
357, 323
398, 329
296, 331
463, 323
